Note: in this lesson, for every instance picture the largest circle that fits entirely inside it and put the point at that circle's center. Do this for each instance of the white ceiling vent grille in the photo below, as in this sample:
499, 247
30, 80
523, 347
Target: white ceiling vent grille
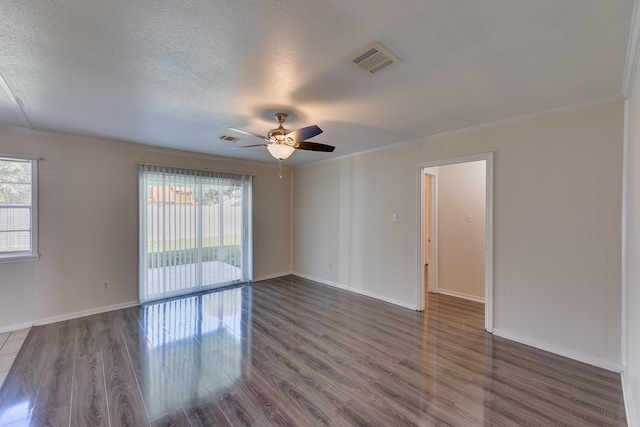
228, 138
375, 58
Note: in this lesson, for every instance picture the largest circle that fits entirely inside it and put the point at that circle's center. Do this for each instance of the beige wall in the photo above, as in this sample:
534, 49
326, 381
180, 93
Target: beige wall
631, 376
557, 226
461, 243
88, 222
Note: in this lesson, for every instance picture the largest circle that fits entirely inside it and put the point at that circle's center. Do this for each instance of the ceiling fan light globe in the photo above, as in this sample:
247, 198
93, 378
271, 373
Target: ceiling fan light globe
280, 151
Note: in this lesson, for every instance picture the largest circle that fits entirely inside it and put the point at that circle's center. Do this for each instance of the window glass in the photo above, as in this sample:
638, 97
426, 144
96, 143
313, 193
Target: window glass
17, 209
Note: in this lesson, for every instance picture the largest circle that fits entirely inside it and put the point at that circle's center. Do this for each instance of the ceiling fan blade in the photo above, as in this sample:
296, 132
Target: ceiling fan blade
305, 133
314, 146
246, 132
249, 146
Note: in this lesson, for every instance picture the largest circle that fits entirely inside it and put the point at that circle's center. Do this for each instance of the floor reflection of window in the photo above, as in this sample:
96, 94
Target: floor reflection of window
17, 414
195, 345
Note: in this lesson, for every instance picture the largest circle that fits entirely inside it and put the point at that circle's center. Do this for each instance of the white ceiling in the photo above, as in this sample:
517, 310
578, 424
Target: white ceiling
177, 74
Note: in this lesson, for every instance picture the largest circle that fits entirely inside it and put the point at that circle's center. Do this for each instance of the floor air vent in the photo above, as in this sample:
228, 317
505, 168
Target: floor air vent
374, 58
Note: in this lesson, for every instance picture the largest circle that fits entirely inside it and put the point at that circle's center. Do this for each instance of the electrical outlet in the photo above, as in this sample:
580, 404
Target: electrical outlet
105, 284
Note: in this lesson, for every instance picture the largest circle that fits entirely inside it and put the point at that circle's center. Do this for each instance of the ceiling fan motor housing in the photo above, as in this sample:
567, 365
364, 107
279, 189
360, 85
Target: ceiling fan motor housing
279, 135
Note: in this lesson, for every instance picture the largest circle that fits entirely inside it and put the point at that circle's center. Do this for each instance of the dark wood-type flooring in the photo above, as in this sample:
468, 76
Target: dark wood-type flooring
291, 352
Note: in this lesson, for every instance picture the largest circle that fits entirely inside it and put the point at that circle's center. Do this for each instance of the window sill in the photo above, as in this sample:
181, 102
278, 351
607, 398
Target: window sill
6, 259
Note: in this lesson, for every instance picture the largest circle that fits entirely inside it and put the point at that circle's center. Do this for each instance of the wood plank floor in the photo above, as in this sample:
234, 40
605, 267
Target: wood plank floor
291, 352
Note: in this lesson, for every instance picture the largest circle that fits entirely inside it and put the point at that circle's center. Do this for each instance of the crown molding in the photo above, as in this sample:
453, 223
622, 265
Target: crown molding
593, 103
140, 146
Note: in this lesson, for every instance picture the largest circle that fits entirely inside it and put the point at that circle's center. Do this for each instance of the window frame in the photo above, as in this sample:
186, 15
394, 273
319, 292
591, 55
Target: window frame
33, 254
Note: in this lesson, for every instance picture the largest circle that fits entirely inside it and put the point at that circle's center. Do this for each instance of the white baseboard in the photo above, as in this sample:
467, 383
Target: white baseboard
580, 357
83, 313
461, 295
271, 276
629, 407
403, 304
68, 316
15, 327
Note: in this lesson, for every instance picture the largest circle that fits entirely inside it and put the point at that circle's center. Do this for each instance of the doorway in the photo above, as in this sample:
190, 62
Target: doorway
430, 220
480, 167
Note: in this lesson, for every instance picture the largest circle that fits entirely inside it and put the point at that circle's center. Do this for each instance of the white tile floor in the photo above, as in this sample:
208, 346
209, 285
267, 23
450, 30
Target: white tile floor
10, 343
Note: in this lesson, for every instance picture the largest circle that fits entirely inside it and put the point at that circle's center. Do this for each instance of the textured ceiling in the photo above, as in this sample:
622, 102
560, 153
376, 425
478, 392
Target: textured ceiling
177, 74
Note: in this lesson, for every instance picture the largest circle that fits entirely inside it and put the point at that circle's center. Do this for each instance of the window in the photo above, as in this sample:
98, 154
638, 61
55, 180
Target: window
18, 209
195, 230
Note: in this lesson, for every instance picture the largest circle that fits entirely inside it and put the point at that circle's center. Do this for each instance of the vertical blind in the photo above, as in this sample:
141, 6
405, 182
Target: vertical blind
195, 230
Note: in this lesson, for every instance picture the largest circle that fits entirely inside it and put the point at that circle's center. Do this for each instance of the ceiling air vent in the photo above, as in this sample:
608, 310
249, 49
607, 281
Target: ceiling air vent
375, 58
228, 138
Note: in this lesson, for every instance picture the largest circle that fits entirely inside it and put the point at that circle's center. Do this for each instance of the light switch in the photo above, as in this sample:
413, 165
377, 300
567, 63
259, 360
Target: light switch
469, 217
394, 217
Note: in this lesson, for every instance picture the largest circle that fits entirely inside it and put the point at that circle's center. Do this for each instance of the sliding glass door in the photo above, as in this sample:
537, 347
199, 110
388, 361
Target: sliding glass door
195, 230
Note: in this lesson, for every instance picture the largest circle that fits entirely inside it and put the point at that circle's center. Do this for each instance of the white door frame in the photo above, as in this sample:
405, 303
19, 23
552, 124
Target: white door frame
488, 270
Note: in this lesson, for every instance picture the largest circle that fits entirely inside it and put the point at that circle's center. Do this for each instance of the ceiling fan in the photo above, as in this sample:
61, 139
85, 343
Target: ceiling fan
282, 142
